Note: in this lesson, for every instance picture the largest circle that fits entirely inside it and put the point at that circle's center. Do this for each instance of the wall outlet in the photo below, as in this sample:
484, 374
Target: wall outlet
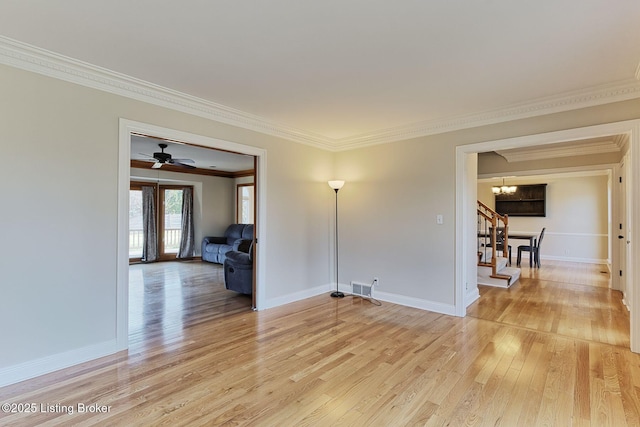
439, 219
376, 282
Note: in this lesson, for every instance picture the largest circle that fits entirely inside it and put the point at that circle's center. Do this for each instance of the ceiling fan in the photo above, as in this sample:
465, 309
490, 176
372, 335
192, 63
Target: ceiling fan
162, 158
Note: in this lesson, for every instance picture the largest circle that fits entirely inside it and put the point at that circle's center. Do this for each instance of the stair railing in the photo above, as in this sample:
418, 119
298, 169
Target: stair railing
489, 222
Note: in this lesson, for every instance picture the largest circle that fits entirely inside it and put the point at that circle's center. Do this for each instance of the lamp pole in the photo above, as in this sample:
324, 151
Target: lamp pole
336, 185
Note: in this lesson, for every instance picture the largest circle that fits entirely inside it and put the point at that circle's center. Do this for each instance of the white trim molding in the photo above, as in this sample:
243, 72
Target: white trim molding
304, 294
633, 250
406, 301
620, 91
575, 259
41, 61
471, 296
31, 58
412, 302
34, 368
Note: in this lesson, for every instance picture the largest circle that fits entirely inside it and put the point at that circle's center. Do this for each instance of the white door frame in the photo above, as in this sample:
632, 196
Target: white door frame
620, 215
127, 128
465, 198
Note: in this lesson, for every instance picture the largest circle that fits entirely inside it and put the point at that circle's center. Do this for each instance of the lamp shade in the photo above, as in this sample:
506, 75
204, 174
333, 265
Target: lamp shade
336, 185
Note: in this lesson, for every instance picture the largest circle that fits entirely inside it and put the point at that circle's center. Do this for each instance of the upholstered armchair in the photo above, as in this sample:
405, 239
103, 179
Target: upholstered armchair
237, 237
238, 271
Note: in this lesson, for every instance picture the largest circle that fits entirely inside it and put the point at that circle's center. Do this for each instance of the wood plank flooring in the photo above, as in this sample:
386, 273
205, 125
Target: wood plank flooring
165, 298
330, 362
568, 299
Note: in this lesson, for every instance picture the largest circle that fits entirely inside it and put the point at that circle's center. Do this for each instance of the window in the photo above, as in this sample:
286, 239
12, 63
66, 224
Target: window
245, 198
171, 224
168, 219
136, 238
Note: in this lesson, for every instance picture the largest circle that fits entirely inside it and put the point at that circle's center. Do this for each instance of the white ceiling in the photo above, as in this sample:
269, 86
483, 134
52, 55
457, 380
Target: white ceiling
340, 70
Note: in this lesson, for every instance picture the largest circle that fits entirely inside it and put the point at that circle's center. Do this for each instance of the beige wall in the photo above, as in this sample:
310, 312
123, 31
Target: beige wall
395, 191
60, 176
60, 173
390, 201
577, 217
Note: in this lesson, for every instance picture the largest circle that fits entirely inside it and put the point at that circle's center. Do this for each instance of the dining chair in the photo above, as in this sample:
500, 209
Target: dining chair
500, 241
535, 250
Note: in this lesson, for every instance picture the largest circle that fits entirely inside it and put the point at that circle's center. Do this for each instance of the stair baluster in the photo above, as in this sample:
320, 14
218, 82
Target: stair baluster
496, 221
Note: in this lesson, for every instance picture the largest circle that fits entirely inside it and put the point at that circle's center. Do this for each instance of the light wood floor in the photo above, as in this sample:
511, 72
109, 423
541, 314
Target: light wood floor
568, 299
328, 362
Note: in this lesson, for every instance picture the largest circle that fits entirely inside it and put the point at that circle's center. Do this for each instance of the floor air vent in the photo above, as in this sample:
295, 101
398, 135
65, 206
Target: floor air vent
361, 289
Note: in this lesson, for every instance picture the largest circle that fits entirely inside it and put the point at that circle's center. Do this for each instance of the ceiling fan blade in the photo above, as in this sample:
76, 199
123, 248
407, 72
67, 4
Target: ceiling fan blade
156, 165
184, 165
183, 160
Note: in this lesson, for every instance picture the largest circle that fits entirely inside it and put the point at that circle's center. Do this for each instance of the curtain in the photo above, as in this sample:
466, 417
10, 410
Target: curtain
187, 243
149, 228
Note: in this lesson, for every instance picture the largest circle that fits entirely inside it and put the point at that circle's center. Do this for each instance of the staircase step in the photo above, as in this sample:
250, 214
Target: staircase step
485, 254
500, 263
484, 276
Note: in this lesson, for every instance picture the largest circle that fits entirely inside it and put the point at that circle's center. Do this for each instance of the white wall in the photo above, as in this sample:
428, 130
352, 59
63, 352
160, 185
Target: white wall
577, 220
58, 257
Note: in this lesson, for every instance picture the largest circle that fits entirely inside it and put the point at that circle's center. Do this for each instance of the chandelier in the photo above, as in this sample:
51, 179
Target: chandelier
504, 189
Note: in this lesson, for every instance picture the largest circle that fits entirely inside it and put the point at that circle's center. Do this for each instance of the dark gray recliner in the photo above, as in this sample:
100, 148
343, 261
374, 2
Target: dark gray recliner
237, 237
238, 271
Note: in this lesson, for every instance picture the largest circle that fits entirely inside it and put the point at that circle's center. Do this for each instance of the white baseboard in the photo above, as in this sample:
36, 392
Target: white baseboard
422, 304
472, 296
45, 365
382, 296
298, 296
571, 259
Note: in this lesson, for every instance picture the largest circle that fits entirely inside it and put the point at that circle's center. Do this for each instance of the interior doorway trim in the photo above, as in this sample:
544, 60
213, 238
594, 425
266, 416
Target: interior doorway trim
127, 128
466, 195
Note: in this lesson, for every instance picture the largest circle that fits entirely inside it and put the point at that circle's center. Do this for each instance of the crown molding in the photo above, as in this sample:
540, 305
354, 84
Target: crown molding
41, 61
615, 92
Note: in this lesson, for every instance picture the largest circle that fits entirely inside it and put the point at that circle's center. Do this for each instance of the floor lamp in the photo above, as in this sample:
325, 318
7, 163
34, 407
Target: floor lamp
336, 185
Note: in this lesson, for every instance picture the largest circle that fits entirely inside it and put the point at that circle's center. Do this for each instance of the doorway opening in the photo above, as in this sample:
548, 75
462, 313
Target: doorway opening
128, 130
466, 196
